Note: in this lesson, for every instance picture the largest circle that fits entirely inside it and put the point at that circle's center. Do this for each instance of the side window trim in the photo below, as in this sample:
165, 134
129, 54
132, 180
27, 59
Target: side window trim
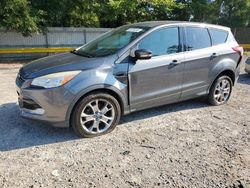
181, 39
210, 36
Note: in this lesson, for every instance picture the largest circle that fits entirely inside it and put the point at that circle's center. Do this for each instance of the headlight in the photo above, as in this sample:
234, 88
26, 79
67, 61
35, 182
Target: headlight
54, 80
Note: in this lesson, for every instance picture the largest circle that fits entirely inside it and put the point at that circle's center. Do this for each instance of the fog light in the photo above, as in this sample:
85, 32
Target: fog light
38, 111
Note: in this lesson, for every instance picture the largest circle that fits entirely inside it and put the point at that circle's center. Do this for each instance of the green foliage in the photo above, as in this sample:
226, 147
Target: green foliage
113, 13
200, 10
232, 13
83, 13
28, 16
235, 13
17, 15
67, 13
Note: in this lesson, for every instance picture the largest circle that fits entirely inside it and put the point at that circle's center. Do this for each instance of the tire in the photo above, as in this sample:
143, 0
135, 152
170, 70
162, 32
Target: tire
220, 91
95, 115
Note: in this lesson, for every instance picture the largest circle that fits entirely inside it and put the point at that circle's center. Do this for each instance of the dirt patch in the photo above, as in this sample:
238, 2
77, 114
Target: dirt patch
190, 144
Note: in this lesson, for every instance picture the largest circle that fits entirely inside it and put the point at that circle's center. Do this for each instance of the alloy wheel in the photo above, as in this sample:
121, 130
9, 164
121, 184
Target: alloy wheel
222, 91
97, 116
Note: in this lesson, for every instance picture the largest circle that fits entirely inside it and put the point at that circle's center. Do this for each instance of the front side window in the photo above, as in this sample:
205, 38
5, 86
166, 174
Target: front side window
218, 36
161, 42
112, 41
197, 38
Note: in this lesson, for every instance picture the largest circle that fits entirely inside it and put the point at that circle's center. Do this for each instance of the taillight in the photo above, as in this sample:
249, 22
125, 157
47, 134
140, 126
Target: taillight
239, 49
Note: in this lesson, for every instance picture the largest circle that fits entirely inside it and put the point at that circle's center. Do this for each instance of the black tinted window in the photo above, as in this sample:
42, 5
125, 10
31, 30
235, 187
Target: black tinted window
197, 38
218, 36
161, 42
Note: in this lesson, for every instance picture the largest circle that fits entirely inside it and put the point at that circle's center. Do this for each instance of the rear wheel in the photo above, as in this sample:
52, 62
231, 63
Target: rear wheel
95, 115
220, 91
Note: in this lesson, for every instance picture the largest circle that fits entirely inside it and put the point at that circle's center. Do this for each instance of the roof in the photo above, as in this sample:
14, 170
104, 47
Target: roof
161, 23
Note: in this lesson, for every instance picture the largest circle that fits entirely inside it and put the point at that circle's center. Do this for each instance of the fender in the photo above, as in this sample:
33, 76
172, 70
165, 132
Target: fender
225, 65
123, 99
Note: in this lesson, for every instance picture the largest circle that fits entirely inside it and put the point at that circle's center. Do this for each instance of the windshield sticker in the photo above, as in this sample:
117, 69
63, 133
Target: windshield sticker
134, 30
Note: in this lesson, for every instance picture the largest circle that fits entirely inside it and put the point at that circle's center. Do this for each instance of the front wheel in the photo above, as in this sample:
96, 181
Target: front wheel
95, 115
220, 91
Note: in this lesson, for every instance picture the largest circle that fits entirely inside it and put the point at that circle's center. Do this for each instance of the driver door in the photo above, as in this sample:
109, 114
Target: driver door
158, 80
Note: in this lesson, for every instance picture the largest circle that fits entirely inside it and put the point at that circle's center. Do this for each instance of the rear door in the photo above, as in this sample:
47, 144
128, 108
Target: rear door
158, 80
199, 58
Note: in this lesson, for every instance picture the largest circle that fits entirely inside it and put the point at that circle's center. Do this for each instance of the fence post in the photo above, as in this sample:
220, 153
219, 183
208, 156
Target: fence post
85, 36
47, 41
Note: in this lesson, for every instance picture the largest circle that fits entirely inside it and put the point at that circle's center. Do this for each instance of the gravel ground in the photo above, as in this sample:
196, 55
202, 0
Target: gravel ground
189, 144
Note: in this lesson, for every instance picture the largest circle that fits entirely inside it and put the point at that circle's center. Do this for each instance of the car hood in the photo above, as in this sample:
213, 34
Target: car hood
62, 62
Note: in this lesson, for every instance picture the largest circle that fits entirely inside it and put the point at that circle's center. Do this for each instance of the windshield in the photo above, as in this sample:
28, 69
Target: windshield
111, 42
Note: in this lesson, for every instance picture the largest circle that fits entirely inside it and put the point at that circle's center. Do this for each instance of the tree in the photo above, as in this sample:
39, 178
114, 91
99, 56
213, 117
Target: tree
234, 13
113, 13
17, 15
68, 13
28, 16
83, 13
199, 10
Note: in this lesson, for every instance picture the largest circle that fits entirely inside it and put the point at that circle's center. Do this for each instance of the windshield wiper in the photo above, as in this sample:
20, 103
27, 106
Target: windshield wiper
81, 53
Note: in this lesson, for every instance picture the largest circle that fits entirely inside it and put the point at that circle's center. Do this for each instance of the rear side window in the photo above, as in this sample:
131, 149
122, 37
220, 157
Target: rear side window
197, 38
218, 36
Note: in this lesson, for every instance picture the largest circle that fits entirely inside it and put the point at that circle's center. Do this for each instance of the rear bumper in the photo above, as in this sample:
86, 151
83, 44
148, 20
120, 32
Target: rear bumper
237, 73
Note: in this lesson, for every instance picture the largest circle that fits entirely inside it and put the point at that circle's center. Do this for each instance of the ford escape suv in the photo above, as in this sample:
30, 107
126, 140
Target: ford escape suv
130, 68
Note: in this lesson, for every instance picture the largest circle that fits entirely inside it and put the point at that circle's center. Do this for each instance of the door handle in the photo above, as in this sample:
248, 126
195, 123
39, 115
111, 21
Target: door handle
213, 56
174, 63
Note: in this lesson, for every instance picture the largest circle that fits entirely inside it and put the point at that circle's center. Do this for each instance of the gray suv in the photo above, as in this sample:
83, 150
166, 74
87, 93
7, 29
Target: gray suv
130, 68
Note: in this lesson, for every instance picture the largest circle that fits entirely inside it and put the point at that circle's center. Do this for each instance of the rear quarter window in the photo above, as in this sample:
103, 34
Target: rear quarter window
218, 36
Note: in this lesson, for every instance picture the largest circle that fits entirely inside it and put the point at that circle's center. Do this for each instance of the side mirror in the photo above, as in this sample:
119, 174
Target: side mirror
143, 54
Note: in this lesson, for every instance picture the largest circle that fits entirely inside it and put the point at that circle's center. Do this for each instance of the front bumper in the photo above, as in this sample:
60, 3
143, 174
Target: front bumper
50, 105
